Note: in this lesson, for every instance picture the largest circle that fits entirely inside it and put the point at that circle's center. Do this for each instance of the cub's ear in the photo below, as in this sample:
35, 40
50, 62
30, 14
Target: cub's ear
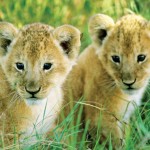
7, 34
68, 38
99, 26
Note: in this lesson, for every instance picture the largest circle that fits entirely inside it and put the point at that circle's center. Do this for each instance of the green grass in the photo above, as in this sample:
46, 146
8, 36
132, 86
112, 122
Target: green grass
77, 13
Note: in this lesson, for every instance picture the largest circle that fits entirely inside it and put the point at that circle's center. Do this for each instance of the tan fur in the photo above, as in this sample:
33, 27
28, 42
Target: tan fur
100, 80
33, 46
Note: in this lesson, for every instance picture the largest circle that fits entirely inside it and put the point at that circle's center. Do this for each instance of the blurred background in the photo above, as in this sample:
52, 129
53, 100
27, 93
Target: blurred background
75, 12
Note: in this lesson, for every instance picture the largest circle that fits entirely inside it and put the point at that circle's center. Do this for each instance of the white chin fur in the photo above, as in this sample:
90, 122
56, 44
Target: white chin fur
130, 92
32, 101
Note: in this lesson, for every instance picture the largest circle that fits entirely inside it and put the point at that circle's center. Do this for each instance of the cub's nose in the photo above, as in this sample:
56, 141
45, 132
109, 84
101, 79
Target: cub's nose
129, 83
33, 92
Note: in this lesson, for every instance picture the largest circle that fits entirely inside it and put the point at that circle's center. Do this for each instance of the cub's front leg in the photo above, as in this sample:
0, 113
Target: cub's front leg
106, 127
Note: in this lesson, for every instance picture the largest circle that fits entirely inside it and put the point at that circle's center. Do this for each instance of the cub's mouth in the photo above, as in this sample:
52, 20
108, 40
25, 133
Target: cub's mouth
129, 86
34, 96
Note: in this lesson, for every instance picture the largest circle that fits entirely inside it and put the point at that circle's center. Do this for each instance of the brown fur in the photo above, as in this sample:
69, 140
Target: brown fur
33, 46
100, 80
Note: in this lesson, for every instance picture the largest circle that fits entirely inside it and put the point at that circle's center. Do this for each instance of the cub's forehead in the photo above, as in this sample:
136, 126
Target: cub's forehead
35, 39
129, 30
40, 27
129, 26
35, 32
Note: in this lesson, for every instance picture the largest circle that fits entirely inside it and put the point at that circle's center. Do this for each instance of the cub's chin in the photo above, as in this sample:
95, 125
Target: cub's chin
131, 91
35, 101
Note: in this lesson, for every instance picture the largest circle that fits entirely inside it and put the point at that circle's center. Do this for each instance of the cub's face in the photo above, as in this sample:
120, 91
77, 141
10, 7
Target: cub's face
125, 53
39, 59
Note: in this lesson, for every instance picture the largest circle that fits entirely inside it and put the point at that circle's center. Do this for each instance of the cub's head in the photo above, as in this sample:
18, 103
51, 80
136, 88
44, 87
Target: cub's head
37, 58
123, 49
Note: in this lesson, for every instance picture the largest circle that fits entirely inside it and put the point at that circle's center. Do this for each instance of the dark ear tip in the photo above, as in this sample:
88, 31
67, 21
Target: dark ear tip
66, 46
102, 34
81, 36
5, 43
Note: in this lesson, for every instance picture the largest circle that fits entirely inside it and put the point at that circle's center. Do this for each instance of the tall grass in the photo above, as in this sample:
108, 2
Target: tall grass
77, 13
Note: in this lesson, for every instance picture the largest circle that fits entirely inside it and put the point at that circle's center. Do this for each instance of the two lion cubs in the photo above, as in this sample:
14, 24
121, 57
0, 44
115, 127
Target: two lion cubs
112, 74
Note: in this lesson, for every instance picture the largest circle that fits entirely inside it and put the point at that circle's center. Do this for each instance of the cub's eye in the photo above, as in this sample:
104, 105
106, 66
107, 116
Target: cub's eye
116, 59
20, 66
47, 66
141, 58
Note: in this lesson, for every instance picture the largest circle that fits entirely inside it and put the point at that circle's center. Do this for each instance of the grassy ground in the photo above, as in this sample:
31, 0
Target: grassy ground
77, 13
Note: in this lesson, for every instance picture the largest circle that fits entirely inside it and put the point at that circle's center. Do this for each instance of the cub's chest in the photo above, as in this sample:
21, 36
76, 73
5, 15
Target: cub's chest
132, 104
43, 115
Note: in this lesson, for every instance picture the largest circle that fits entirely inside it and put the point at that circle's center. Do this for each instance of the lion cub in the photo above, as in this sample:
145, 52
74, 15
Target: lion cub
112, 73
34, 63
